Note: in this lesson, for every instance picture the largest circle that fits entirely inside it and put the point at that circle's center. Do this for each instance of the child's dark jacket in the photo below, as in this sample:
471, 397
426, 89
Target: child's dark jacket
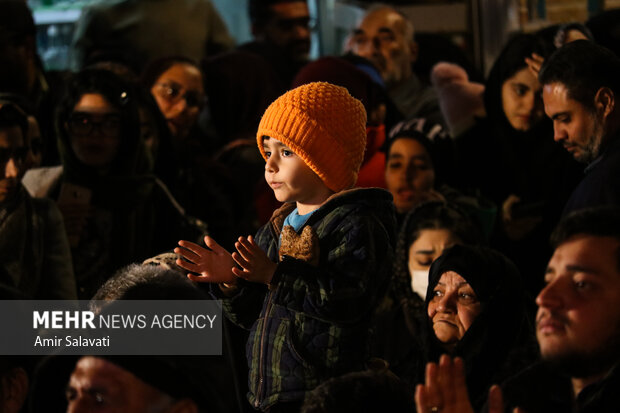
312, 322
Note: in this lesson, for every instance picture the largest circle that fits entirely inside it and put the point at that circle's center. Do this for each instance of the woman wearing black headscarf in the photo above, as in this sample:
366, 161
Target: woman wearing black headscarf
114, 209
475, 309
510, 157
427, 231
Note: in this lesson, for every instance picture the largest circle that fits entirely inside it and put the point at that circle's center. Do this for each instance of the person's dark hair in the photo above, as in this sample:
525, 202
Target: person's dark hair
11, 115
16, 21
510, 61
583, 67
154, 69
119, 93
429, 215
413, 135
499, 328
563, 31
260, 12
441, 215
362, 391
603, 221
605, 28
433, 137
148, 282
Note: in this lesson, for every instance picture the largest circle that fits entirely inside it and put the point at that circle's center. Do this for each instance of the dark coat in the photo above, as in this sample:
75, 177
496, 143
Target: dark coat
541, 389
601, 185
496, 339
313, 322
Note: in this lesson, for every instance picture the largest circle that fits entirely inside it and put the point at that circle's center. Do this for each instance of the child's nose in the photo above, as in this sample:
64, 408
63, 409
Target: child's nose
270, 165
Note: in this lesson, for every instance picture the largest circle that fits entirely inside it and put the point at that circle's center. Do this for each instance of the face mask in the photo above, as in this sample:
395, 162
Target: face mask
419, 282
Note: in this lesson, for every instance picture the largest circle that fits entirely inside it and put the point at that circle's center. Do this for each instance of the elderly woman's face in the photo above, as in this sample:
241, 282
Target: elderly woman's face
453, 308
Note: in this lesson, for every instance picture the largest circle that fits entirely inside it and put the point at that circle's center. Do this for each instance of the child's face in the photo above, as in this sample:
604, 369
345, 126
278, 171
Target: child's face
409, 173
290, 178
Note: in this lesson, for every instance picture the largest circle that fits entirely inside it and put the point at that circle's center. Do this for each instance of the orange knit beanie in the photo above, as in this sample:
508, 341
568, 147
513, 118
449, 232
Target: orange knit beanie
324, 125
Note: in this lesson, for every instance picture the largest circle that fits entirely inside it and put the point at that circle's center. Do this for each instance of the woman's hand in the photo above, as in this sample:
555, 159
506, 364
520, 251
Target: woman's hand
445, 390
534, 63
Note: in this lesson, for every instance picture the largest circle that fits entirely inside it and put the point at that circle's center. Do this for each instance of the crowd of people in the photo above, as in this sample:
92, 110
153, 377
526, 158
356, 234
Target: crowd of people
381, 237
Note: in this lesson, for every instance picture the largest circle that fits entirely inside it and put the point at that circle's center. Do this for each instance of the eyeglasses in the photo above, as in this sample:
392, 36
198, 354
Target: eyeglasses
84, 124
18, 154
173, 92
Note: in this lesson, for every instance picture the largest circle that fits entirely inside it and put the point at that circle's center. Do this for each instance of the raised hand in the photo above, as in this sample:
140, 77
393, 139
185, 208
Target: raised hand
255, 264
445, 389
534, 63
214, 265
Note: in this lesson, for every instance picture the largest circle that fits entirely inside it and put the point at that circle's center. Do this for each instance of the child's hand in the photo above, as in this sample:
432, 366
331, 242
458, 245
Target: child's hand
256, 265
214, 266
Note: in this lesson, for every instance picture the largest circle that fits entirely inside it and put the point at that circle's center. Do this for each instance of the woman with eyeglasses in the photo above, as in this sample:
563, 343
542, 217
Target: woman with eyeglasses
201, 184
115, 210
177, 85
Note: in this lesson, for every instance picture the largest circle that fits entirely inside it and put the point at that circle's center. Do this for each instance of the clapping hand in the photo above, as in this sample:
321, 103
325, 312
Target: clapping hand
255, 264
445, 390
214, 265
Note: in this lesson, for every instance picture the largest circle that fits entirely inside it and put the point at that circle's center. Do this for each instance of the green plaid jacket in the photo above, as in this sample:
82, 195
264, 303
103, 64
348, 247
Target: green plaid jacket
312, 323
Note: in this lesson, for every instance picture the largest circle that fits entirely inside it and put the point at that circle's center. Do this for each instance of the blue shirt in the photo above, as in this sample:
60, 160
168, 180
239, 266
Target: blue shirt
295, 220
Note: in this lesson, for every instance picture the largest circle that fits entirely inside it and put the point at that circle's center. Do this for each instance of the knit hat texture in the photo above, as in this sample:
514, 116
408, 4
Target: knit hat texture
324, 125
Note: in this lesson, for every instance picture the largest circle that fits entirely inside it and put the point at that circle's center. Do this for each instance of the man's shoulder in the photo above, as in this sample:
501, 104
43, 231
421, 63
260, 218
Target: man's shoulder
538, 388
603, 396
415, 98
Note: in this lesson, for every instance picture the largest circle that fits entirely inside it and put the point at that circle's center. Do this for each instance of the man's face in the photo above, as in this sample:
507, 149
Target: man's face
578, 320
97, 385
289, 29
381, 38
578, 129
13, 154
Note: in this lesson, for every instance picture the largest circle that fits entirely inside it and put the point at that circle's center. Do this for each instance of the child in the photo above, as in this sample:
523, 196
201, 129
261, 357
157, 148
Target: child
309, 281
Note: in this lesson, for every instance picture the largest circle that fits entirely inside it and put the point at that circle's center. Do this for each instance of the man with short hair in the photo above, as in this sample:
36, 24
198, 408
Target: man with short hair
386, 38
34, 250
281, 30
581, 92
127, 384
577, 328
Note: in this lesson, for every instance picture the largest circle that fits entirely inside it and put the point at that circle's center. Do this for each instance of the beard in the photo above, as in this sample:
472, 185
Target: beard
592, 149
584, 364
